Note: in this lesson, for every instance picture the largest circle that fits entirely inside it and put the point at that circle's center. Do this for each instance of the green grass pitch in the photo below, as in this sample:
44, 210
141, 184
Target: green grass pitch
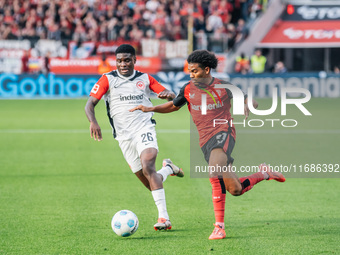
59, 189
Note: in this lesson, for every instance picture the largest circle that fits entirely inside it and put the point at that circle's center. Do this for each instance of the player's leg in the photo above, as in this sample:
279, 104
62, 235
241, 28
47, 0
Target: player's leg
155, 179
168, 169
217, 152
221, 147
215, 155
147, 148
164, 172
130, 153
217, 184
223, 179
234, 185
228, 180
218, 191
143, 179
148, 158
143, 167
238, 186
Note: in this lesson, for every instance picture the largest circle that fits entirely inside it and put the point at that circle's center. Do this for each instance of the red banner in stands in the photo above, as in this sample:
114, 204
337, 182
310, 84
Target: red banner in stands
306, 34
90, 66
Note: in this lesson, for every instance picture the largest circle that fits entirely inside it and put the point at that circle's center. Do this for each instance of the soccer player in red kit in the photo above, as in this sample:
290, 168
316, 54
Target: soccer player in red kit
216, 142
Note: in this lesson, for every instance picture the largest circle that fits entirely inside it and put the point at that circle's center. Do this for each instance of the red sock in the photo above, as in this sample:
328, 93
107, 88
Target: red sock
218, 198
248, 182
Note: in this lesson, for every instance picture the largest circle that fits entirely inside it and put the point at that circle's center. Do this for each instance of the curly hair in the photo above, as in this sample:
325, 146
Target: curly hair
204, 58
126, 48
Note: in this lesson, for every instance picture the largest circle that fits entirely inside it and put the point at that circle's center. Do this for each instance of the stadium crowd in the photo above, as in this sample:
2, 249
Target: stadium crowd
126, 20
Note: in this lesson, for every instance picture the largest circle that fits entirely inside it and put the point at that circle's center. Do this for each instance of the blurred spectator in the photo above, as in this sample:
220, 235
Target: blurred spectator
255, 9
225, 9
40, 29
244, 9
8, 17
53, 32
152, 5
231, 34
65, 31
280, 67
46, 63
7, 33
241, 31
336, 70
24, 63
242, 64
264, 4
258, 62
236, 11
79, 34
218, 41
104, 65
214, 22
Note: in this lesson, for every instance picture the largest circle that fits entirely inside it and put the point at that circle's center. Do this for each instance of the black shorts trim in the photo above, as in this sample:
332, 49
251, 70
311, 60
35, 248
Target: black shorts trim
222, 140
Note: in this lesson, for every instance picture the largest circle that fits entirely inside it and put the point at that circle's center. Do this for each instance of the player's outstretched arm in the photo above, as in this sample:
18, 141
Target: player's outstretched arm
167, 94
95, 130
162, 108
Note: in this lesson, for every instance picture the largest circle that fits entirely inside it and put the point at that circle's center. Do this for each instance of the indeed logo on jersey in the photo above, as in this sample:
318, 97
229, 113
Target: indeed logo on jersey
209, 106
131, 97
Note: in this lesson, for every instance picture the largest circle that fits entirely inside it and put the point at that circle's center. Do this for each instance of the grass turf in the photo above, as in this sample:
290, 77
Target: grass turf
59, 189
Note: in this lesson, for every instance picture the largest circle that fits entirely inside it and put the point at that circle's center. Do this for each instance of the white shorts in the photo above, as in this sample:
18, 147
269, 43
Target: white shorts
145, 138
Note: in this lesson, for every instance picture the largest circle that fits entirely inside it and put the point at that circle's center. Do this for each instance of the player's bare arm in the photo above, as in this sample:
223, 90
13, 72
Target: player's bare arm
167, 94
246, 108
95, 130
163, 108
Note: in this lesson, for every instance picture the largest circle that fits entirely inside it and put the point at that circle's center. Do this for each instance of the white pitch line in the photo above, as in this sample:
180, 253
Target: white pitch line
287, 131
173, 131
43, 131
79, 131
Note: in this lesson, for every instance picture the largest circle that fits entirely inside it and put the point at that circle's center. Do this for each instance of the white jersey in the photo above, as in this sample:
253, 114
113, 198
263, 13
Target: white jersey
122, 94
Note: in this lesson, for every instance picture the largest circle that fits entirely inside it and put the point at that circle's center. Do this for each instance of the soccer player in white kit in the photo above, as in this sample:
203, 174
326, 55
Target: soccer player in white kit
123, 89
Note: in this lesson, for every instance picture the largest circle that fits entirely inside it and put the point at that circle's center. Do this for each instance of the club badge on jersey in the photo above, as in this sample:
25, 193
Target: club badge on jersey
123, 93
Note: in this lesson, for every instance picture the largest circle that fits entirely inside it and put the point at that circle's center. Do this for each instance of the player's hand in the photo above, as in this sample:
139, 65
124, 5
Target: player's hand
167, 94
141, 108
95, 131
246, 111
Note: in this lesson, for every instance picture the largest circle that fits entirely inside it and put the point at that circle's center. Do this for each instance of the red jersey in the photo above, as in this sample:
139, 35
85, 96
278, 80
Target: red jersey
218, 107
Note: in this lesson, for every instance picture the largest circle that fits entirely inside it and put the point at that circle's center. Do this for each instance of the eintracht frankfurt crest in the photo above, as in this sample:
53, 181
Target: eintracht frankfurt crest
140, 85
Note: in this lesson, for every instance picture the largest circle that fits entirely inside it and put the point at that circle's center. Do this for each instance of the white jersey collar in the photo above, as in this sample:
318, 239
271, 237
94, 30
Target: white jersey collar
127, 78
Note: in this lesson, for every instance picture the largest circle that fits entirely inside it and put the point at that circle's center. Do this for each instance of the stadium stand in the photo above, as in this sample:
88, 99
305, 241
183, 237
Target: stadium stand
219, 22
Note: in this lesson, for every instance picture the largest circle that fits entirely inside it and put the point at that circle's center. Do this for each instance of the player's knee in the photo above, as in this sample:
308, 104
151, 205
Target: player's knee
147, 164
148, 161
148, 167
235, 190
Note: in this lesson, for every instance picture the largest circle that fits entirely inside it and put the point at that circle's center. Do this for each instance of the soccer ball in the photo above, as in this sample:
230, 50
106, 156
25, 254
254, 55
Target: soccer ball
124, 223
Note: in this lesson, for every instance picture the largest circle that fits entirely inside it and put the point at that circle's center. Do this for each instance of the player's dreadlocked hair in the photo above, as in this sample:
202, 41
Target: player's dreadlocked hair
126, 48
204, 58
